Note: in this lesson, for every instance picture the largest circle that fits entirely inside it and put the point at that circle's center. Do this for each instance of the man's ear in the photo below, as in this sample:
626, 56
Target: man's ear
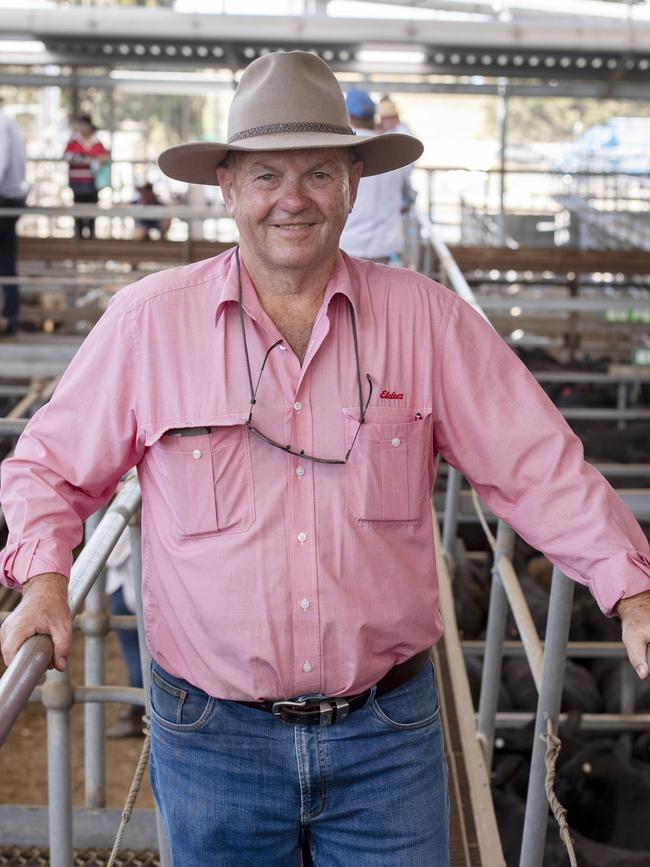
356, 170
225, 178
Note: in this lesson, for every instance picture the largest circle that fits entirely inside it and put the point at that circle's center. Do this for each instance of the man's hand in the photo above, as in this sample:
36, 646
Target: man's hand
635, 617
43, 610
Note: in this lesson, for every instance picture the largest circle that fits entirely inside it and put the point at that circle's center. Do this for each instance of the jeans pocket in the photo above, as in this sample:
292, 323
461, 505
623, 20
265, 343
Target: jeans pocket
413, 705
176, 704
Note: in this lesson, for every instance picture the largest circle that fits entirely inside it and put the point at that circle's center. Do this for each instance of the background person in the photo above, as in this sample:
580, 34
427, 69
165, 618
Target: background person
143, 227
120, 587
12, 195
375, 228
290, 591
389, 119
85, 153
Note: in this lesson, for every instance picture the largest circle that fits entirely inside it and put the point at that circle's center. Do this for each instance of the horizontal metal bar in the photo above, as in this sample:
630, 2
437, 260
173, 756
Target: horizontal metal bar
605, 414
594, 306
590, 721
108, 693
577, 649
137, 212
11, 426
580, 376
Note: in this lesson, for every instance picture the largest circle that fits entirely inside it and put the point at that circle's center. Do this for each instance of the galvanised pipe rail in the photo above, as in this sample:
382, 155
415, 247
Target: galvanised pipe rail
33, 658
548, 708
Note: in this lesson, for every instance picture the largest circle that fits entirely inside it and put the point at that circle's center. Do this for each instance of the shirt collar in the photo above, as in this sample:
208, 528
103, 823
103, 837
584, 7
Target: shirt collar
340, 283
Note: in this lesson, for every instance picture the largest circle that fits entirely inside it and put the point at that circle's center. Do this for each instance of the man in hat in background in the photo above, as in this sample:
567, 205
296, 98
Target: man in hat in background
375, 228
389, 119
284, 404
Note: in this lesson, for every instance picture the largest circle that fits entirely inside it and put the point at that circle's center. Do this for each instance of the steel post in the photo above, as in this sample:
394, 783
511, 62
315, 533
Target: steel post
548, 707
450, 526
621, 402
495, 635
57, 698
502, 114
95, 628
145, 661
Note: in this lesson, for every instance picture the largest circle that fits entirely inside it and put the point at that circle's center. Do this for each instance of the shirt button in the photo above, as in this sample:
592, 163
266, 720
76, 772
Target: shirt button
300, 472
196, 453
302, 537
396, 442
304, 604
306, 667
297, 406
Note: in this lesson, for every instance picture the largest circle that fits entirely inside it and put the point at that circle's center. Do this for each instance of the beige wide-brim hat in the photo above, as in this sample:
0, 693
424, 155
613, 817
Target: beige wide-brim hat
288, 101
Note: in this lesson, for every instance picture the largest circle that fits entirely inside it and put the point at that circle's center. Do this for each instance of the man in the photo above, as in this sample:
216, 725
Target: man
389, 119
375, 228
12, 195
284, 404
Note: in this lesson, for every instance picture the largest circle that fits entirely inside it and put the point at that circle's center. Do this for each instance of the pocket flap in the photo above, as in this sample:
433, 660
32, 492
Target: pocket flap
201, 426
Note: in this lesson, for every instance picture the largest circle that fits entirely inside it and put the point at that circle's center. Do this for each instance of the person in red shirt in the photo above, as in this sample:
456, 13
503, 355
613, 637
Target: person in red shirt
84, 153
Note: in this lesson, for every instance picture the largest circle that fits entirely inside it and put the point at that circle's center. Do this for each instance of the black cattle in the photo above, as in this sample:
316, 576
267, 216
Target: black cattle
474, 666
471, 587
580, 691
607, 795
509, 810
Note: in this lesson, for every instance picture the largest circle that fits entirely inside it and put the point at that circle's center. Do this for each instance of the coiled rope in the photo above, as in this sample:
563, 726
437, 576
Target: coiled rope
127, 812
553, 747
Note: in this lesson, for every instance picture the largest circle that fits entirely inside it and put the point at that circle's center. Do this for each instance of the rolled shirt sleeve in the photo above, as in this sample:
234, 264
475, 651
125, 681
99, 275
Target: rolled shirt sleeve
497, 426
72, 454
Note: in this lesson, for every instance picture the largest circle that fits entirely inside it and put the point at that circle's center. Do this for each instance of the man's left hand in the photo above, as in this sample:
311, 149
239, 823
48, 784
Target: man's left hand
635, 618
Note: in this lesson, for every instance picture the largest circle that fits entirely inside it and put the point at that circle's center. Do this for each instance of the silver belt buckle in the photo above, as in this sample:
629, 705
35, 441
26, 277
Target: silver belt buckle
277, 706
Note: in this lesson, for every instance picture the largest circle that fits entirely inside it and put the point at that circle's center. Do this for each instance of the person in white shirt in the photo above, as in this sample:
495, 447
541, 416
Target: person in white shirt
12, 195
389, 119
374, 229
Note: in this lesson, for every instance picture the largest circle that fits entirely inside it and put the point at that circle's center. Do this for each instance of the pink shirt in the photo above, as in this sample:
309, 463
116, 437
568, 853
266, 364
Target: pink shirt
269, 576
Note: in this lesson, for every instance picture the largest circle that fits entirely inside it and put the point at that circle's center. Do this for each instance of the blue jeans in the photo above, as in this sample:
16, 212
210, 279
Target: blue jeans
237, 787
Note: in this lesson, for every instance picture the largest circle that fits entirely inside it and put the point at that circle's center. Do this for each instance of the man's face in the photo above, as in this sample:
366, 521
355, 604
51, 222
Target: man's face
290, 206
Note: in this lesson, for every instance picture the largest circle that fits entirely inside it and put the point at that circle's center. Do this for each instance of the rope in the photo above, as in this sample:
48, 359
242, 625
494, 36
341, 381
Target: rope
127, 812
553, 747
483, 521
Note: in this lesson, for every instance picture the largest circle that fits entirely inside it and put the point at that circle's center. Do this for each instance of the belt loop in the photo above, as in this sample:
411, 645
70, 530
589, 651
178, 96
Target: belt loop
326, 713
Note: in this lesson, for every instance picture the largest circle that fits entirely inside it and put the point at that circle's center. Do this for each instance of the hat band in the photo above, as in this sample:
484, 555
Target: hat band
275, 128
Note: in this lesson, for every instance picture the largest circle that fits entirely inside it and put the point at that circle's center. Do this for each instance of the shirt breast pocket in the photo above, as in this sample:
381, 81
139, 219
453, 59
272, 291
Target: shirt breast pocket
208, 477
390, 470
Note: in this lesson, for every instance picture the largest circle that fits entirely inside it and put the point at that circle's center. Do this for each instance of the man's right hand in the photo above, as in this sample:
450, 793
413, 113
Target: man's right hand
43, 610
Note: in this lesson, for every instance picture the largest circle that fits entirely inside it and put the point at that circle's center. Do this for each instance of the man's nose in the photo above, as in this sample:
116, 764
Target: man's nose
293, 196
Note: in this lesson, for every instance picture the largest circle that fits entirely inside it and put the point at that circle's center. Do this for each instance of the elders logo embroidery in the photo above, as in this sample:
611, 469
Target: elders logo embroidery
391, 395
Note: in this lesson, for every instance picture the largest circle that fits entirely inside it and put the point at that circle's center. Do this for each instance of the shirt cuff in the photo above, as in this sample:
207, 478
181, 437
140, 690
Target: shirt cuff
627, 575
22, 561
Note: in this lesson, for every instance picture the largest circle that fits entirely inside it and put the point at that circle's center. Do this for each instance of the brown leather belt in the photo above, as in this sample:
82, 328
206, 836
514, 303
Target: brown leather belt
326, 711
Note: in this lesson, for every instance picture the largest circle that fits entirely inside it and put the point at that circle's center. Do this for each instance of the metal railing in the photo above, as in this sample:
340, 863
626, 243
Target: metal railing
19, 683
546, 660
